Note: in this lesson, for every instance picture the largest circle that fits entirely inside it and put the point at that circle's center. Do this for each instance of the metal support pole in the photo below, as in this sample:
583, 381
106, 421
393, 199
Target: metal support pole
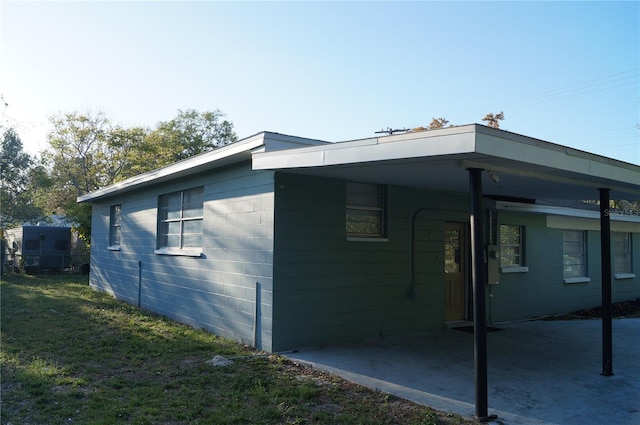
479, 303
605, 246
257, 314
139, 283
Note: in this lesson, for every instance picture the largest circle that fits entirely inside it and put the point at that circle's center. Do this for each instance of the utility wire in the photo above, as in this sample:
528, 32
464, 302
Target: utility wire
625, 78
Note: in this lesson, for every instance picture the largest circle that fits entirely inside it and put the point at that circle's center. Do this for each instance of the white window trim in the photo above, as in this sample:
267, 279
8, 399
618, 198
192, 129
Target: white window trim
113, 227
620, 276
628, 251
355, 237
184, 252
577, 280
366, 239
514, 269
179, 251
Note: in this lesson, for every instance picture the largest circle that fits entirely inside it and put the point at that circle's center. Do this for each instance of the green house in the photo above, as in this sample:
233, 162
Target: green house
282, 242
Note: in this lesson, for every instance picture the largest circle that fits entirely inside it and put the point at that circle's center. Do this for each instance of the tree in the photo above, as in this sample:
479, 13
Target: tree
625, 207
87, 152
435, 124
79, 151
493, 120
131, 154
438, 123
18, 171
191, 133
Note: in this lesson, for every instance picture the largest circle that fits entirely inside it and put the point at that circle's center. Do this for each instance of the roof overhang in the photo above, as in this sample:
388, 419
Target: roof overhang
517, 166
230, 154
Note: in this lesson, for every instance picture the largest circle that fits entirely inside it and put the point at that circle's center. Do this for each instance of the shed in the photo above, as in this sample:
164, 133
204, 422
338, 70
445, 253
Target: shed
38, 247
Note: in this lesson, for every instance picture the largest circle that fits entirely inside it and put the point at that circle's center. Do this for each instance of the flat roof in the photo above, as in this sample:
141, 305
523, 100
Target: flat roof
517, 166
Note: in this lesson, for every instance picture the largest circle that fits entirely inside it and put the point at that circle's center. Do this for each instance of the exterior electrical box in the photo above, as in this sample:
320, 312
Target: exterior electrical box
493, 265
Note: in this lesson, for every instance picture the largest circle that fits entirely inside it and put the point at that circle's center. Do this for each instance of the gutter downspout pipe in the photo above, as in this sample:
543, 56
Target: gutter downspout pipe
139, 283
257, 314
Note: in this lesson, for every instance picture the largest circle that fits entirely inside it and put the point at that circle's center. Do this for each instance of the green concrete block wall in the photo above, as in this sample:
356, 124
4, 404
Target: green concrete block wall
216, 291
541, 291
329, 289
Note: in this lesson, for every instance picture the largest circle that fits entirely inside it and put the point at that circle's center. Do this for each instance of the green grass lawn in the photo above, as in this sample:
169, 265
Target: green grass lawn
70, 355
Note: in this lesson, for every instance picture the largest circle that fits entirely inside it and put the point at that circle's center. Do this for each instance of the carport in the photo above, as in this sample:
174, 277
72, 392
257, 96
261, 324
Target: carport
480, 161
540, 372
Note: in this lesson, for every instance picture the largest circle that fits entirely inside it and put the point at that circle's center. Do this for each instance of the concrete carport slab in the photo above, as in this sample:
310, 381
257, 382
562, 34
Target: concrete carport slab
539, 372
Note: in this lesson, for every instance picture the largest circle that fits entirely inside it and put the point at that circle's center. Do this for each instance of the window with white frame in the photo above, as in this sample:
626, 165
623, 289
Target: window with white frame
115, 225
180, 220
621, 252
511, 246
574, 257
365, 212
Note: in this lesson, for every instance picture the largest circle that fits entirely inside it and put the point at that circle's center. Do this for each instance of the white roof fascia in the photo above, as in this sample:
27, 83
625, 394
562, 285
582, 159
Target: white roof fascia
277, 141
232, 153
460, 140
187, 166
563, 211
520, 148
301, 157
492, 149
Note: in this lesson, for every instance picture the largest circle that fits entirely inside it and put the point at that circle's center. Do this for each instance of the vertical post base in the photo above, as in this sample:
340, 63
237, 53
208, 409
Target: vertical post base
485, 419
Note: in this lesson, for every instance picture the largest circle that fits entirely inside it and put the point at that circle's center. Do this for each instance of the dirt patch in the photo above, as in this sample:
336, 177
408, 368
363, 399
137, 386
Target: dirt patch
630, 308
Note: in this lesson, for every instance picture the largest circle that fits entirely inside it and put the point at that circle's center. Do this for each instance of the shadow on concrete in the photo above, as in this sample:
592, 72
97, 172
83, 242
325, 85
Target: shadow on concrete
540, 372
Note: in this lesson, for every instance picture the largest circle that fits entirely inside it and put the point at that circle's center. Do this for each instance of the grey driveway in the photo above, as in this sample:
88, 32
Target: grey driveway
540, 372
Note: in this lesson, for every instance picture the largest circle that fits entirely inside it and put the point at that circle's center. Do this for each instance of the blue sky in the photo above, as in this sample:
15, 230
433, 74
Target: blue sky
565, 72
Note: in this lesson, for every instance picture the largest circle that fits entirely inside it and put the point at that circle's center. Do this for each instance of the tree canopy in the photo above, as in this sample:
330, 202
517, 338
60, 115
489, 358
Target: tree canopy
88, 152
189, 133
492, 120
20, 174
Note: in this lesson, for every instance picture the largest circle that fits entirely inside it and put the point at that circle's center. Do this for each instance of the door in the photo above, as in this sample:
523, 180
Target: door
455, 262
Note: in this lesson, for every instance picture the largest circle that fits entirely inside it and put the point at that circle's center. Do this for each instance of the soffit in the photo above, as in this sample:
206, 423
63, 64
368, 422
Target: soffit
517, 166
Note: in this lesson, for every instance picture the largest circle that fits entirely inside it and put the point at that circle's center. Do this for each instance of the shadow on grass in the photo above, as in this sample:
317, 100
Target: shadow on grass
73, 355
